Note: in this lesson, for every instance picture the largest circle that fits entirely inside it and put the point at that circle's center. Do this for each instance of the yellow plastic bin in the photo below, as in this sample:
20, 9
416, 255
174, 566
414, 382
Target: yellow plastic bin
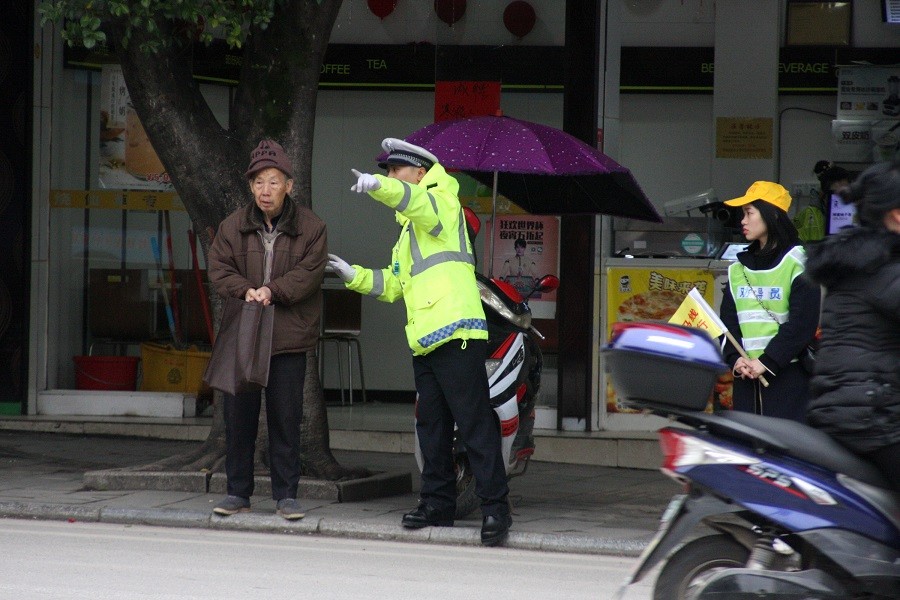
167, 369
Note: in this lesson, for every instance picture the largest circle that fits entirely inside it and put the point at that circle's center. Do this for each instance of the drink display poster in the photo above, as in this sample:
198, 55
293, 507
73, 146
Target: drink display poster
127, 159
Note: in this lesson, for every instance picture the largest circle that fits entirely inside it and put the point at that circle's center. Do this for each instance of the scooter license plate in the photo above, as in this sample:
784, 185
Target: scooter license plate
665, 521
668, 517
672, 509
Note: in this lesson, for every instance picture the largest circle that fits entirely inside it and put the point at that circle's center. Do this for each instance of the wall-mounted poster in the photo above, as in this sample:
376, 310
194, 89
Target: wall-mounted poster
868, 92
654, 294
526, 247
127, 159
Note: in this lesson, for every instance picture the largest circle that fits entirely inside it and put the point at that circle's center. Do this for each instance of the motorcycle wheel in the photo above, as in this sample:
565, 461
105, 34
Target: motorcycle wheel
683, 569
466, 499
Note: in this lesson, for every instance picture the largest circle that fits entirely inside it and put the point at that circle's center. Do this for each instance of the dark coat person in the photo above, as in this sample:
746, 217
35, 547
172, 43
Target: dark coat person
271, 251
856, 387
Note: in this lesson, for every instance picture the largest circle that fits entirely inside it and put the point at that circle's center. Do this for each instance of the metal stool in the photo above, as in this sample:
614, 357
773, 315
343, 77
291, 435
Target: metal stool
349, 340
341, 322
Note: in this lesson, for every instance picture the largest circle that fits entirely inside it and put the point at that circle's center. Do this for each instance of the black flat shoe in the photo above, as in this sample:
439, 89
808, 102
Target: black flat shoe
495, 529
426, 516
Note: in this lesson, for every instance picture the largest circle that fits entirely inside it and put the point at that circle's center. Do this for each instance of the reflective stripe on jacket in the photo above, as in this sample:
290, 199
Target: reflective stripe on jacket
758, 293
432, 264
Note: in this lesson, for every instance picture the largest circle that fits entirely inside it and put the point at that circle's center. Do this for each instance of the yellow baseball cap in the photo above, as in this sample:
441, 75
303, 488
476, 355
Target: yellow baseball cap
766, 191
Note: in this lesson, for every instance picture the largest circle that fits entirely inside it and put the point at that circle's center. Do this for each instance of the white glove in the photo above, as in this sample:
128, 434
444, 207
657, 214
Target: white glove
340, 266
365, 182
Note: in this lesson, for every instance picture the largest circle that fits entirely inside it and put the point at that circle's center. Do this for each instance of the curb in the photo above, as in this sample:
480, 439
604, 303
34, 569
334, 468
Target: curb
458, 536
377, 485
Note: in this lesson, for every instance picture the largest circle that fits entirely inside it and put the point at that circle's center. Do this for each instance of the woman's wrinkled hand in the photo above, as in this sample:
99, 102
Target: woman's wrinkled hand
262, 295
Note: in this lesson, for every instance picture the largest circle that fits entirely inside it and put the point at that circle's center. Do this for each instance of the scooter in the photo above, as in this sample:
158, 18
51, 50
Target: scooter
771, 508
513, 367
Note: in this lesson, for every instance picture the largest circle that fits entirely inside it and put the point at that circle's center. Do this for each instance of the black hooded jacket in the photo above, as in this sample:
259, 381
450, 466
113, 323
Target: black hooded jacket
856, 387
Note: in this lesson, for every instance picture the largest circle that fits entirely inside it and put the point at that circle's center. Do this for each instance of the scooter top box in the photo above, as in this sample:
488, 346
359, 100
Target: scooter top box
662, 364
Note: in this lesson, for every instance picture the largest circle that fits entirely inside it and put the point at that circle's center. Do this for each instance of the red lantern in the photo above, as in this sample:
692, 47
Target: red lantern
450, 11
519, 18
382, 8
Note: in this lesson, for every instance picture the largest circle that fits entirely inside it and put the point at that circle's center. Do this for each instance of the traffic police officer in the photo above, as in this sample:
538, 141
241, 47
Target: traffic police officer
432, 268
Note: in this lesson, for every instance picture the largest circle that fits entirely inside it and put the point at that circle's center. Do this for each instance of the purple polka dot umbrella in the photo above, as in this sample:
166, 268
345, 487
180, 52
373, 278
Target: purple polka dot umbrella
544, 170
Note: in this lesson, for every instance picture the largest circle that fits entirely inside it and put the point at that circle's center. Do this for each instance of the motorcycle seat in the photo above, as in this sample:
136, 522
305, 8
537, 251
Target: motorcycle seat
797, 440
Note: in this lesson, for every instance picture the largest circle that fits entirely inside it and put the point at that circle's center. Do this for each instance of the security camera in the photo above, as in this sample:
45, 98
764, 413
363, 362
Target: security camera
689, 203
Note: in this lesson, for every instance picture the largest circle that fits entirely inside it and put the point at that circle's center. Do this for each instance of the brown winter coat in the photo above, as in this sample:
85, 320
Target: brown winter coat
236, 262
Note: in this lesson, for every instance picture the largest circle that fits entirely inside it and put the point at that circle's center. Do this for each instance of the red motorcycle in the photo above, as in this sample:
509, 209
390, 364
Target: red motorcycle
513, 367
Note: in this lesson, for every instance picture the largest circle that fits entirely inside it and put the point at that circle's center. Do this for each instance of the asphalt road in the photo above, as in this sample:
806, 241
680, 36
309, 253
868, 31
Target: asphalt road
96, 561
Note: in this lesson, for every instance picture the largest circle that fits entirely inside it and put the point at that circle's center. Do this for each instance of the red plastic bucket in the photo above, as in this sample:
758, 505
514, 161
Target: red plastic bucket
117, 373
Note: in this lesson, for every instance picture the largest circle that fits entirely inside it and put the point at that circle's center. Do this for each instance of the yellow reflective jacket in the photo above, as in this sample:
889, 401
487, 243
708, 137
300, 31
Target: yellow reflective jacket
432, 264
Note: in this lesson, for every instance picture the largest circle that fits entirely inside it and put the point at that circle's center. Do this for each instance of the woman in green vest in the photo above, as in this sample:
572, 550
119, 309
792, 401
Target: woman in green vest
768, 307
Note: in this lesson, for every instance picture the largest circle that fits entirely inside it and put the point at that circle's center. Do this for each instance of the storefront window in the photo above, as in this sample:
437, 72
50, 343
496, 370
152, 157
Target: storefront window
128, 300
126, 284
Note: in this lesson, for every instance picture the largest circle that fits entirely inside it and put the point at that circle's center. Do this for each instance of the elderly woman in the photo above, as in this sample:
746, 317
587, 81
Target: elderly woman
271, 251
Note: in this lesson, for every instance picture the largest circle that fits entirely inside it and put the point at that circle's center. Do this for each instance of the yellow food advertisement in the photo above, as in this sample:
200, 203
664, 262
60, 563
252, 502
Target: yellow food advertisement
651, 294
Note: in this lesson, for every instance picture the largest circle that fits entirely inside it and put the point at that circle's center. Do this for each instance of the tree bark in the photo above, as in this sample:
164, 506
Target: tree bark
276, 98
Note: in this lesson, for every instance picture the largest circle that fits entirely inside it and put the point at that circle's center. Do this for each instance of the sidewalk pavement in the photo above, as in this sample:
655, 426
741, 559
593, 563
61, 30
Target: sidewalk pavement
556, 507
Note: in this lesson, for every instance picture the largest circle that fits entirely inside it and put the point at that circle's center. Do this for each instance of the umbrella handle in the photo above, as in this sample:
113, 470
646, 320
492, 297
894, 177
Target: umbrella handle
493, 225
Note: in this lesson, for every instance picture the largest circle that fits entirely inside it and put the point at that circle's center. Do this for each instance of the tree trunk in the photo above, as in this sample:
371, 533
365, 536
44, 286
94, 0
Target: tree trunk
276, 98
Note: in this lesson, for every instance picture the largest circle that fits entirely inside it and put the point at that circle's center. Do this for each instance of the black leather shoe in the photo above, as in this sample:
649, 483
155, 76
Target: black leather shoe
495, 529
426, 516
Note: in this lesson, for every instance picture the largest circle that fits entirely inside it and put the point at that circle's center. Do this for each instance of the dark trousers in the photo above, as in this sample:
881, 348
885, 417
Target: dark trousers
284, 411
786, 397
887, 459
453, 388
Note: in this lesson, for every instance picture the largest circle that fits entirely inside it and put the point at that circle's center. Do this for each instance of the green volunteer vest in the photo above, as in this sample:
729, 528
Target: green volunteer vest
810, 224
759, 293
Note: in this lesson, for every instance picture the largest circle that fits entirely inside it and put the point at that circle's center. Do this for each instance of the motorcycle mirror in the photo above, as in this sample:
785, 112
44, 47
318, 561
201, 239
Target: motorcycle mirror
473, 223
547, 284
544, 285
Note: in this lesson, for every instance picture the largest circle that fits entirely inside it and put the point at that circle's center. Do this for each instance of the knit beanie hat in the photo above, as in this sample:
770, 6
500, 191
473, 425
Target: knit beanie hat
268, 153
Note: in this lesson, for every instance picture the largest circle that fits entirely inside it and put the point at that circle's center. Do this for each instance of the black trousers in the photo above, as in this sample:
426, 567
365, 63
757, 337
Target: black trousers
887, 459
453, 388
284, 412
786, 397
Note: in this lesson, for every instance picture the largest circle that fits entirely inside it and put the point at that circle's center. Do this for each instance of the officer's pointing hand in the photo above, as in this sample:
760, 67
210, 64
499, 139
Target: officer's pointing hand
365, 182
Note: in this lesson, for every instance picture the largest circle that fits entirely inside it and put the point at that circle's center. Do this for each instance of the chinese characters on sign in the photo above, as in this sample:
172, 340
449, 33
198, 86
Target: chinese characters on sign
695, 312
744, 137
526, 247
651, 294
460, 99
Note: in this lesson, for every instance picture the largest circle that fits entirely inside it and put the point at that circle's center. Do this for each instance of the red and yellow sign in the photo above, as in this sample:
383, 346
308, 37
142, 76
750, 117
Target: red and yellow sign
696, 312
649, 294
460, 99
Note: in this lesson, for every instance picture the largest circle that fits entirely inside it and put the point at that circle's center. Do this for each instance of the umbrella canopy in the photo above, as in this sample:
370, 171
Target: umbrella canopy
542, 169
